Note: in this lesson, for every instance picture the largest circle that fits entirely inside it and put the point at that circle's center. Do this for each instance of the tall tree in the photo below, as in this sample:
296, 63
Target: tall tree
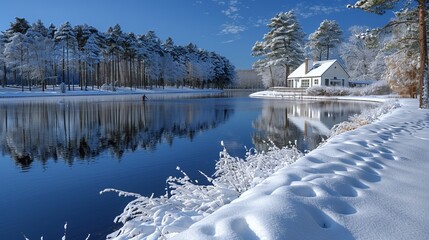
20, 25
3, 67
284, 43
66, 39
40, 51
325, 38
92, 56
116, 43
261, 66
16, 53
380, 7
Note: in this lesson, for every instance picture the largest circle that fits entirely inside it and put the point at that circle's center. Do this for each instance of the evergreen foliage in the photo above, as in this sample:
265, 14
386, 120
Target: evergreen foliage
35, 55
324, 39
282, 46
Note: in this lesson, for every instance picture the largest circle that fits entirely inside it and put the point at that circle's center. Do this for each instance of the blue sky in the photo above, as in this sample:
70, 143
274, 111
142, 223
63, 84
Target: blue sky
228, 27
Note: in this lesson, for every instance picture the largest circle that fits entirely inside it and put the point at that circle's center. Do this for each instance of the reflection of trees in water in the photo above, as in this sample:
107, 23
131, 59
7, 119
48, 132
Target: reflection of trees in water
304, 122
81, 130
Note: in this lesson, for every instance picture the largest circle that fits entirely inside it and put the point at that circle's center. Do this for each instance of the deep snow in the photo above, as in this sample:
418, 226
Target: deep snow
370, 183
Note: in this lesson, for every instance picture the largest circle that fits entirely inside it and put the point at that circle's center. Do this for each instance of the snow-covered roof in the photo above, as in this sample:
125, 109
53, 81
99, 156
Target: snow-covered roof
315, 70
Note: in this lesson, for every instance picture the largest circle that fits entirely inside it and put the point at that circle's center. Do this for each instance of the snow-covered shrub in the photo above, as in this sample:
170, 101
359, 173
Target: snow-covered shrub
186, 202
107, 87
327, 91
366, 117
316, 91
378, 88
63, 87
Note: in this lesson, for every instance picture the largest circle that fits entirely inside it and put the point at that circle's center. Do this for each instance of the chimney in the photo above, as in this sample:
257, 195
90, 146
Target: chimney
308, 65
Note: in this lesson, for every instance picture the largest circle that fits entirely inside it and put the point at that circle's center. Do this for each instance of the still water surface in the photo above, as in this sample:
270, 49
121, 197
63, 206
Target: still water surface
57, 154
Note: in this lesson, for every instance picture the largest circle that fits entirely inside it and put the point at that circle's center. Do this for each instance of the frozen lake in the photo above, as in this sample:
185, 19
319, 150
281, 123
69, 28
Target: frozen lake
57, 154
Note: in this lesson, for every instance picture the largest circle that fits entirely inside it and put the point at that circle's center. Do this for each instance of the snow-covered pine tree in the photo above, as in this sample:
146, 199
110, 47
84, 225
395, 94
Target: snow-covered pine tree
115, 42
112, 56
380, 7
325, 38
260, 66
65, 38
284, 43
92, 56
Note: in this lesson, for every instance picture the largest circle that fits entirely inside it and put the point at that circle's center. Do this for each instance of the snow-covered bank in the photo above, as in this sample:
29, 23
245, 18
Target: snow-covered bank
370, 183
10, 92
269, 94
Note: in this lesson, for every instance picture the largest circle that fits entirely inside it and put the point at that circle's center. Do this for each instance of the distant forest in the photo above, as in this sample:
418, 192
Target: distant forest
35, 55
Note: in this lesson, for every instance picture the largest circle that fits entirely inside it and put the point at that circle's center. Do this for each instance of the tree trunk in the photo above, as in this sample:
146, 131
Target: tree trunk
327, 54
287, 74
4, 82
423, 71
271, 77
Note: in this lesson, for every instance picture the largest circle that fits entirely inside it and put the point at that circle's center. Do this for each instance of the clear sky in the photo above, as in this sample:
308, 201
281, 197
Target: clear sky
228, 27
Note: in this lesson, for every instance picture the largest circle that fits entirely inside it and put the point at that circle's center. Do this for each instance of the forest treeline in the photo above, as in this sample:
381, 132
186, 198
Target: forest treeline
36, 55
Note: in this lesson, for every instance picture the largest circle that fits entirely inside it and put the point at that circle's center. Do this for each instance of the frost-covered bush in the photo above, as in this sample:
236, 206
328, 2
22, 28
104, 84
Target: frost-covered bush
107, 87
316, 91
63, 87
366, 117
378, 88
186, 202
327, 91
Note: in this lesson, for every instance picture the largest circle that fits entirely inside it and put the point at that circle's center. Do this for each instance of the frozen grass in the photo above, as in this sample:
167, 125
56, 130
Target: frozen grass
186, 202
64, 237
366, 117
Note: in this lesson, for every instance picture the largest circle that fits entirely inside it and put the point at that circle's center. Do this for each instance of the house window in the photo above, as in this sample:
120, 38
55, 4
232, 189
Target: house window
305, 82
316, 82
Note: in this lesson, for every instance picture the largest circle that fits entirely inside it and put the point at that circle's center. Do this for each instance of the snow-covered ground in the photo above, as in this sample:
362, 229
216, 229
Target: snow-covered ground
15, 92
370, 183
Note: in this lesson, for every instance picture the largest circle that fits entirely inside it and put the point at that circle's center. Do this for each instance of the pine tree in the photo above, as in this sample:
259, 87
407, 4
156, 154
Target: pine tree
283, 44
325, 38
66, 40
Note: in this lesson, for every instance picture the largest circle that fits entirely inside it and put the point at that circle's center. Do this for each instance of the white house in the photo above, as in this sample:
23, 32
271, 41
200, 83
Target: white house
318, 73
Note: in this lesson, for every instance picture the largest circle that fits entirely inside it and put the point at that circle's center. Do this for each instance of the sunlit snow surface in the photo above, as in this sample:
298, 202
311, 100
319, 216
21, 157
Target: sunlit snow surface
371, 183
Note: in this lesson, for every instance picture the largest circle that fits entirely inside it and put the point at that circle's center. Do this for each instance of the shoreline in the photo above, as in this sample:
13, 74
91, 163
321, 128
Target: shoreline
266, 94
13, 93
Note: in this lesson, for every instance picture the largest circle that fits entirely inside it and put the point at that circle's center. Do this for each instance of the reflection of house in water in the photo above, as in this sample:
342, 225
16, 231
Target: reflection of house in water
305, 122
81, 129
